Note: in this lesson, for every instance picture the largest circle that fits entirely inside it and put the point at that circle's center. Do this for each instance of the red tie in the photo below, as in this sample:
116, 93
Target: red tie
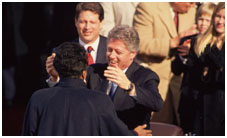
90, 59
176, 20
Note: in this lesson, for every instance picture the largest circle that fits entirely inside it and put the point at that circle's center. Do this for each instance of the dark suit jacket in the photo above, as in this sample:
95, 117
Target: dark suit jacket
203, 97
177, 66
101, 52
133, 111
71, 109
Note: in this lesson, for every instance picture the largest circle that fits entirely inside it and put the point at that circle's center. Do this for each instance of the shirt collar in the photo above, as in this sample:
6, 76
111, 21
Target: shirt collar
94, 45
172, 11
125, 70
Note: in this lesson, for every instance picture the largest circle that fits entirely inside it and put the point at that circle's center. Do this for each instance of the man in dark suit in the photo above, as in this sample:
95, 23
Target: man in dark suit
89, 18
133, 88
70, 108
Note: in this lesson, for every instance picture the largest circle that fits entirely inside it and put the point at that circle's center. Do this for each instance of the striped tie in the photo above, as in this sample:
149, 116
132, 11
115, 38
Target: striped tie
90, 59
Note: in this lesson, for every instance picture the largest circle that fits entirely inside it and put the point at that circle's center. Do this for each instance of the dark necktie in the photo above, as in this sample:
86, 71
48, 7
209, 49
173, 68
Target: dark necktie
112, 91
176, 20
90, 59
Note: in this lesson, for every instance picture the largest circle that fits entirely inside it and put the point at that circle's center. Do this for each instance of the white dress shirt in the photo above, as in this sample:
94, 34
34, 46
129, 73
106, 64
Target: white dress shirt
93, 45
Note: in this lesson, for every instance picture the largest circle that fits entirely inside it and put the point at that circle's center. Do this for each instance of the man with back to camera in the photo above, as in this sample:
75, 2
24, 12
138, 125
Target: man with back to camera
70, 108
89, 18
133, 88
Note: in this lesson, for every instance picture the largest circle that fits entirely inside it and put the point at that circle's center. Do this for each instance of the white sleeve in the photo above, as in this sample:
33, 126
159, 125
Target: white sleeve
51, 83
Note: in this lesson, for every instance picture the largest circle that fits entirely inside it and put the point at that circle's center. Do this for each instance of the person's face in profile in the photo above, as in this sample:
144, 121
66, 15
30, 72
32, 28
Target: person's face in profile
118, 55
88, 26
203, 23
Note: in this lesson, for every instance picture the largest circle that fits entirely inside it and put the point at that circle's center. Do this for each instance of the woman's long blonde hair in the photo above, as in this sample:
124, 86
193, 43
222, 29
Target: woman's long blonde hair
210, 36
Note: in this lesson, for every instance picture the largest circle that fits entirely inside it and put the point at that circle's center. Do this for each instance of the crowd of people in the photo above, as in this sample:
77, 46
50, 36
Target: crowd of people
133, 63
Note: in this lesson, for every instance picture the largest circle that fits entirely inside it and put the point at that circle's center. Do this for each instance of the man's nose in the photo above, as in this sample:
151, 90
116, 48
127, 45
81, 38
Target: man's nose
87, 25
112, 54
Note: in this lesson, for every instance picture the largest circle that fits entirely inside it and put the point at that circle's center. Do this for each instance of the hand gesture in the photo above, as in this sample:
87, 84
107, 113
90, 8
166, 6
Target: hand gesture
183, 49
50, 68
174, 42
116, 75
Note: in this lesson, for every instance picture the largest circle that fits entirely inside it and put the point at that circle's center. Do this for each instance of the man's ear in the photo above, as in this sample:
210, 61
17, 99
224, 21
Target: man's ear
133, 55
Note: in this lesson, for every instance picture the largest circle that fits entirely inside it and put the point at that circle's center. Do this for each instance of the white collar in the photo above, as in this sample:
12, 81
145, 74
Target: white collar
172, 12
94, 45
125, 70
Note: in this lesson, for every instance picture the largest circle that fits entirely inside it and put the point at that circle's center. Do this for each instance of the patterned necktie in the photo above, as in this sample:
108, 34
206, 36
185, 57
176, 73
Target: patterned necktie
90, 59
176, 20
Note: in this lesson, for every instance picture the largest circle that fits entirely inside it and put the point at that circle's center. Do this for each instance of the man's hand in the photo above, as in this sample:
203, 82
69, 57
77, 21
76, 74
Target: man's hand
184, 48
141, 131
116, 75
50, 68
174, 42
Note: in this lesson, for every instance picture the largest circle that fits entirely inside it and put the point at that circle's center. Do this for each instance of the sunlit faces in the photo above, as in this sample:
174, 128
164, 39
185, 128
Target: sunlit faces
118, 55
203, 23
219, 21
88, 26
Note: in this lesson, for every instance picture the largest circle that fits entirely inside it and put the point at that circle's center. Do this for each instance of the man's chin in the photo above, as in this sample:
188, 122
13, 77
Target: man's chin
112, 64
87, 38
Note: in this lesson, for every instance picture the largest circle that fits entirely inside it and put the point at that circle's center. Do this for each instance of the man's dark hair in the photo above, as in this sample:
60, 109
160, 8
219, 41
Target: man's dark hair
95, 7
71, 60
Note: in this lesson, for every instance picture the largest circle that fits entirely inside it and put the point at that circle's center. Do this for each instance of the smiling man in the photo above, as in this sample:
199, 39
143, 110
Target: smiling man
133, 88
89, 19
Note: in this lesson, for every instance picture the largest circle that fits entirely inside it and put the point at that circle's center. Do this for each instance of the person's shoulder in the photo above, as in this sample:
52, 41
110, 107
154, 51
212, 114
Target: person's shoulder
103, 38
41, 92
145, 72
40, 95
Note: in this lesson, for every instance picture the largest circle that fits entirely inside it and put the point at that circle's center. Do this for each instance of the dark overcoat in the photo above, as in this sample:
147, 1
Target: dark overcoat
70, 109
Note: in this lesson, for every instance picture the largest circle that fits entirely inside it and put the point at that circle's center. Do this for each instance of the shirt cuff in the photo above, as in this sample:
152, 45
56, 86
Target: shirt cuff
51, 83
184, 60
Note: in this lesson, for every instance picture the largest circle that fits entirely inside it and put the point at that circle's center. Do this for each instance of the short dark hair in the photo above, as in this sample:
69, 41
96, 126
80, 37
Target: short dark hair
95, 7
71, 60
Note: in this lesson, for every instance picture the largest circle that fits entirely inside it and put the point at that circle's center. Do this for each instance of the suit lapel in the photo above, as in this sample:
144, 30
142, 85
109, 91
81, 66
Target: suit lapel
101, 52
166, 17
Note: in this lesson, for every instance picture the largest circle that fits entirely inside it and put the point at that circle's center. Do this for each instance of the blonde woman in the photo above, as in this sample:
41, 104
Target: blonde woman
203, 20
206, 77
178, 66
